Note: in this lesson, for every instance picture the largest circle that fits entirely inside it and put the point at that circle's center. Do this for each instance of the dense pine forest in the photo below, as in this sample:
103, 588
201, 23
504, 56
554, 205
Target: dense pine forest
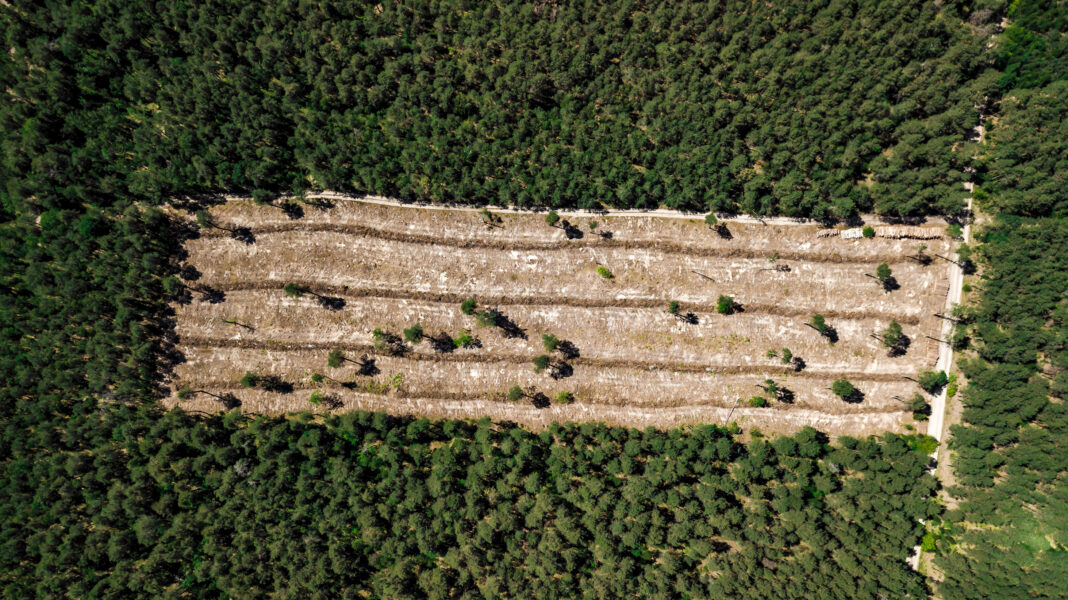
817, 109
1008, 538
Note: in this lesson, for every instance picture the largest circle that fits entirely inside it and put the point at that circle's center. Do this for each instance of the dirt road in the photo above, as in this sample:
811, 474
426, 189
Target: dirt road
661, 213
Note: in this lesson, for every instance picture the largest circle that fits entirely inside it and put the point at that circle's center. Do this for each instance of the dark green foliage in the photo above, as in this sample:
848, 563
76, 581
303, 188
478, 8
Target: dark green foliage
921, 410
843, 388
892, 335
1027, 157
758, 401
883, 272
807, 109
711, 220
868, 232
541, 362
250, 380
413, 334
551, 219
1011, 452
335, 358
725, 305
515, 394
673, 307
932, 381
468, 306
1033, 51
295, 291
549, 342
463, 339
147, 500
486, 318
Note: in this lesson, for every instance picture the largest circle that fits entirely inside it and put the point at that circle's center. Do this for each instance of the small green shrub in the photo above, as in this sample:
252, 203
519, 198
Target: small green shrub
868, 231
541, 362
605, 273
468, 306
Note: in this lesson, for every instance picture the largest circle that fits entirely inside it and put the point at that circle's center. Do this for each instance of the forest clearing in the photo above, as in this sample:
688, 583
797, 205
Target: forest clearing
626, 320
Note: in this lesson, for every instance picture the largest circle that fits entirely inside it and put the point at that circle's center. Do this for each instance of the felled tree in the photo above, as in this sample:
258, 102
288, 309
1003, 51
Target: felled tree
819, 323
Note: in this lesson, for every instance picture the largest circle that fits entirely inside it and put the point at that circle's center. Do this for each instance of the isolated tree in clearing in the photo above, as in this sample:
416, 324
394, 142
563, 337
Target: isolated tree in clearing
844, 389
335, 358
541, 362
413, 334
549, 342
468, 306
725, 305
294, 290
819, 323
515, 394
552, 218
932, 381
673, 308
250, 380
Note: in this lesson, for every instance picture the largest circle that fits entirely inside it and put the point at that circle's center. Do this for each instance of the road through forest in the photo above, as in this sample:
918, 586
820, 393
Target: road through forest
661, 213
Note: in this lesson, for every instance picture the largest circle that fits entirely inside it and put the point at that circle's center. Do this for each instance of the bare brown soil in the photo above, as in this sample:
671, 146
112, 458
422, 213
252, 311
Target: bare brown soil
636, 364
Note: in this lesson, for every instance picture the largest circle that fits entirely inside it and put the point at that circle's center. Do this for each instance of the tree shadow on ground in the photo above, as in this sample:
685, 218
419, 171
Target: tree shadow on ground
900, 348
331, 302
561, 370
243, 235
570, 231
540, 400
567, 349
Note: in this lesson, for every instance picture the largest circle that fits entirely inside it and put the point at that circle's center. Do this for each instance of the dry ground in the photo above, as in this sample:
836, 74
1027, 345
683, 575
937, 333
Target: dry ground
638, 365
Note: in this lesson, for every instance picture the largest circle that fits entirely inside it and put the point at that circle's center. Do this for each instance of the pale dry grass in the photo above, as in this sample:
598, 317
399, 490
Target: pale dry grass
639, 366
